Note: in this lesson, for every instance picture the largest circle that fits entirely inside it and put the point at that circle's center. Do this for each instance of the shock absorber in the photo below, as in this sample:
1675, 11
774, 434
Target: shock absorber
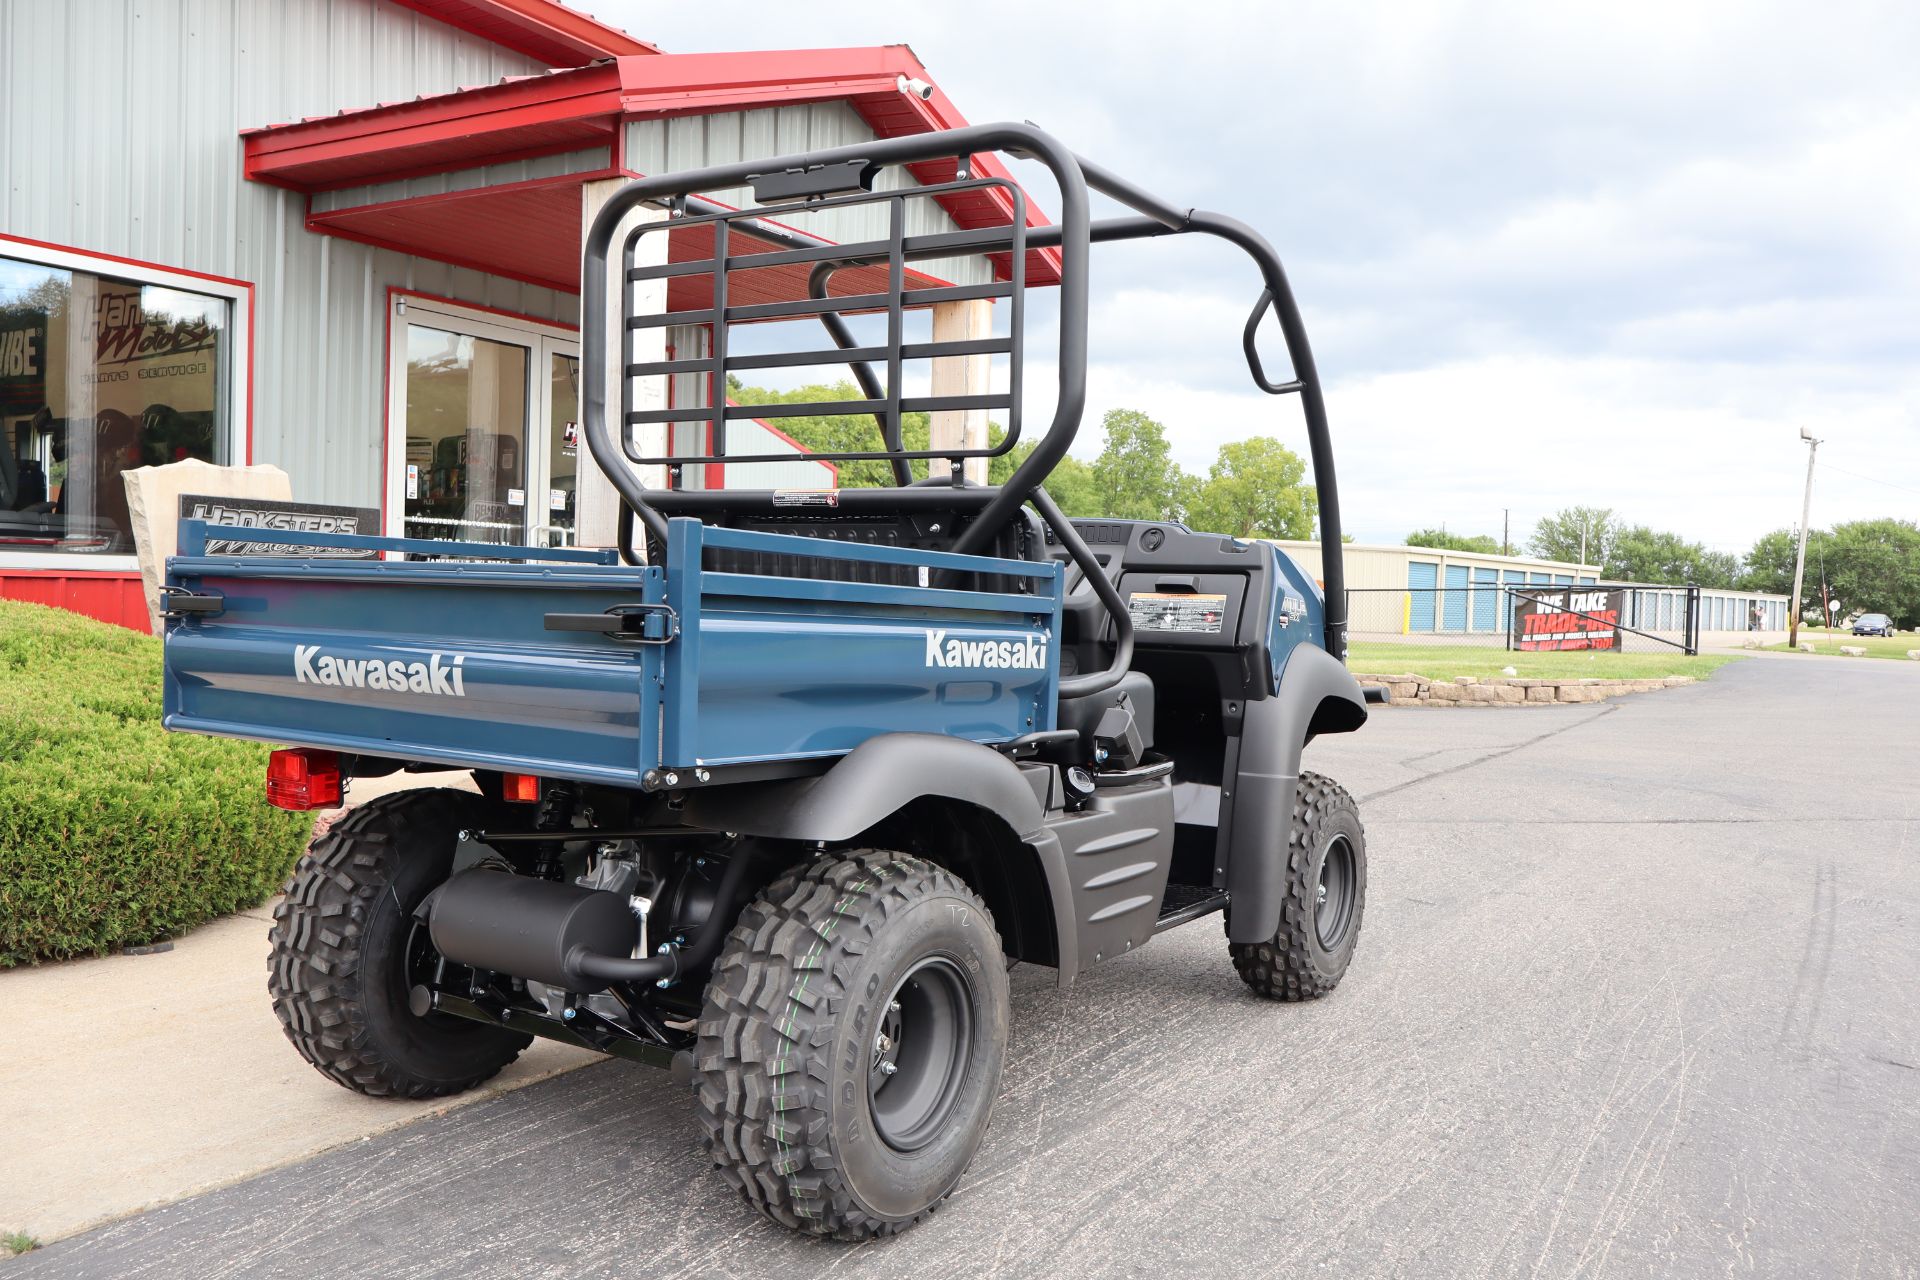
557, 802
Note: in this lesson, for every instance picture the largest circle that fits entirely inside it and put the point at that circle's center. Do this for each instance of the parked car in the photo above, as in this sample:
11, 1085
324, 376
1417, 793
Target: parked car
1873, 624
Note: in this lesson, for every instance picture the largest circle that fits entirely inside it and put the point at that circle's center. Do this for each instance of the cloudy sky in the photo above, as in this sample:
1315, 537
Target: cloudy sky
1548, 254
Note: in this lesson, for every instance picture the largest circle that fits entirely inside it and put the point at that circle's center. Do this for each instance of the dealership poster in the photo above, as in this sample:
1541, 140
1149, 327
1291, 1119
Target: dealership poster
1568, 618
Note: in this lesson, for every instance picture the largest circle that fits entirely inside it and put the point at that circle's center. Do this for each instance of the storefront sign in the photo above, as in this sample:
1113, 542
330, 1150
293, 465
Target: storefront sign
281, 516
23, 361
1568, 618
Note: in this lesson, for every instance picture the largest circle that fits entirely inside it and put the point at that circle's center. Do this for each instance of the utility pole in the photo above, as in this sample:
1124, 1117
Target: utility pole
1506, 527
1800, 556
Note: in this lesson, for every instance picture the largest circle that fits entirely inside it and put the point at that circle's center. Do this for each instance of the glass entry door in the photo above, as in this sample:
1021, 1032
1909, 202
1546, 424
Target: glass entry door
489, 429
563, 443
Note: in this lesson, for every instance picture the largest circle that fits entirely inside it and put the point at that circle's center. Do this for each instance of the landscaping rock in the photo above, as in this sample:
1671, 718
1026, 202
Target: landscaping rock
1914, 654
1853, 651
1807, 648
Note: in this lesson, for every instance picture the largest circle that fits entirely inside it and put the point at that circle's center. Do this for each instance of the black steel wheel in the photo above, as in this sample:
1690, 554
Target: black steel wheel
347, 952
850, 1049
1325, 901
920, 1056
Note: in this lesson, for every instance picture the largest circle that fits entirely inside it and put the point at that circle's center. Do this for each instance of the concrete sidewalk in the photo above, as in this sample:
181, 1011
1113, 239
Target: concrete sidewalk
134, 1081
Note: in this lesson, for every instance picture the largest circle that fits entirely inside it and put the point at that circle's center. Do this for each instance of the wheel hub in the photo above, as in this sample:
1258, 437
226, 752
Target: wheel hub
1334, 894
920, 1054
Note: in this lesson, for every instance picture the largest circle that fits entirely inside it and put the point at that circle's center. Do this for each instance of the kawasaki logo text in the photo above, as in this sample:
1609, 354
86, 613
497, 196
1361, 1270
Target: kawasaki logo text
1028, 654
441, 674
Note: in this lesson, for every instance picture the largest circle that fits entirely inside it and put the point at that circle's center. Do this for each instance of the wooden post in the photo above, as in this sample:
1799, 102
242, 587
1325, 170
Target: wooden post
962, 376
597, 509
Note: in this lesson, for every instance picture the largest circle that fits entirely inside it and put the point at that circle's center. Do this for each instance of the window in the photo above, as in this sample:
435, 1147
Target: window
101, 373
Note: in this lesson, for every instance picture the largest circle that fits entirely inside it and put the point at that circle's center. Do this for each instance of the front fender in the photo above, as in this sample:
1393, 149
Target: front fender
1317, 694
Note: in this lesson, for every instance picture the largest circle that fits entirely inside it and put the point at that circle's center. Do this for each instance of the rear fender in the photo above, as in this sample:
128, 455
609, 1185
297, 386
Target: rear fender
876, 780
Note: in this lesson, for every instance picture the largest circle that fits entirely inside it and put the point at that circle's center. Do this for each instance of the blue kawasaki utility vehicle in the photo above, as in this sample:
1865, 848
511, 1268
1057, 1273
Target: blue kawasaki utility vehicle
771, 793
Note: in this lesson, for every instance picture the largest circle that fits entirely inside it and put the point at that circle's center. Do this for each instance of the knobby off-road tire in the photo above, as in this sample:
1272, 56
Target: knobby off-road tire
795, 1102
1327, 851
339, 965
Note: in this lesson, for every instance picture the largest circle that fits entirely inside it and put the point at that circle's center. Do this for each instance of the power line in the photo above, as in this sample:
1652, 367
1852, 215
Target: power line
1873, 479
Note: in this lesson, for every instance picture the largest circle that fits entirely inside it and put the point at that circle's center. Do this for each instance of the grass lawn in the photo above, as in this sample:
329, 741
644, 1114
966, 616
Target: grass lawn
1829, 642
1443, 662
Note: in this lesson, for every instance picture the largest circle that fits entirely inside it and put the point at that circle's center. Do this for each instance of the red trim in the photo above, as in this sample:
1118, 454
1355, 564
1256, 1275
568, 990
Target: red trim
131, 262
109, 595
246, 286
395, 290
537, 28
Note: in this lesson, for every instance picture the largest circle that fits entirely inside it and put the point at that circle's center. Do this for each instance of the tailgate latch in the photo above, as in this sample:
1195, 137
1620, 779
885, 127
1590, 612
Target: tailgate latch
634, 623
178, 602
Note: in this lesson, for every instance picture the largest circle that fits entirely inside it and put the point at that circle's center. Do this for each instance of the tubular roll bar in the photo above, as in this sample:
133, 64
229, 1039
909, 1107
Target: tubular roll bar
1073, 235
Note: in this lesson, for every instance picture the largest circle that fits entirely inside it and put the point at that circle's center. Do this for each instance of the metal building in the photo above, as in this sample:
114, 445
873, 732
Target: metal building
343, 237
1396, 591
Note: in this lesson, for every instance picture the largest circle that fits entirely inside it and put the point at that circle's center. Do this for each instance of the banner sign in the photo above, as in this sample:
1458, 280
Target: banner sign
1568, 618
280, 516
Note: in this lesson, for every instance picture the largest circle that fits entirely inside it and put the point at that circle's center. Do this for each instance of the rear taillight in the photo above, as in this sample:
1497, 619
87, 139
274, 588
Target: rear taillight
303, 778
520, 788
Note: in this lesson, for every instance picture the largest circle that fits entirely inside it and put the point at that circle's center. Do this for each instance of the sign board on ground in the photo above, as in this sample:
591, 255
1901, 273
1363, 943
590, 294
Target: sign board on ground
1568, 618
281, 516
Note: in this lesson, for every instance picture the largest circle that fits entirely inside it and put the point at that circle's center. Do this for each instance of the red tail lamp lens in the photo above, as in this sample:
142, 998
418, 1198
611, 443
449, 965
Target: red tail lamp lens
520, 788
303, 778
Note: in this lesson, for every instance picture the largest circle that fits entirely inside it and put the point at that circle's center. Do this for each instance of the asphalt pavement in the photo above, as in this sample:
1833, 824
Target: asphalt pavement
1638, 994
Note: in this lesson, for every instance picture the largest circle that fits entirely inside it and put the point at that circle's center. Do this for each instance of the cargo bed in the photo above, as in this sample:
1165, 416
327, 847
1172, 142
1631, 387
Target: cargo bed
568, 664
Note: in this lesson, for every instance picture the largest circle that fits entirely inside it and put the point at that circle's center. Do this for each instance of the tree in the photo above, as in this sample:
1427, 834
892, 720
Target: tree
1071, 484
1561, 535
1868, 565
1640, 554
1874, 566
840, 432
1769, 566
1441, 540
1135, 474
1254, 490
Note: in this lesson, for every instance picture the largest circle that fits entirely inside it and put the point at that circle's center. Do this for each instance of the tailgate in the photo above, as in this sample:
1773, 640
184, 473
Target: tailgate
442, 661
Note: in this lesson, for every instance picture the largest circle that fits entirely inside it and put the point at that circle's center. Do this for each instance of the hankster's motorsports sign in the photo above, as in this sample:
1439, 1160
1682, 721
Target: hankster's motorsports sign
1568, 617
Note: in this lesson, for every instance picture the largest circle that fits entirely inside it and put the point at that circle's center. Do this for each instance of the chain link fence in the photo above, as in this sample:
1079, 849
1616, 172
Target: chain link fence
1590, 618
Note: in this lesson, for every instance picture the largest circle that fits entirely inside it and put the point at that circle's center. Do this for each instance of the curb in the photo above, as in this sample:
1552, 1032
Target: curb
1502, 691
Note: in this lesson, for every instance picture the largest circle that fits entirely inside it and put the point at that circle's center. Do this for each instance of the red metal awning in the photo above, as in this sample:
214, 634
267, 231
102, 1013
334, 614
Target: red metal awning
543, 29
531, 230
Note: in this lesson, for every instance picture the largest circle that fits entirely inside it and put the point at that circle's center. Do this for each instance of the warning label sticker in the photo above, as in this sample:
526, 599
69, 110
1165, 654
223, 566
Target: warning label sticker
806, 497
1171, 611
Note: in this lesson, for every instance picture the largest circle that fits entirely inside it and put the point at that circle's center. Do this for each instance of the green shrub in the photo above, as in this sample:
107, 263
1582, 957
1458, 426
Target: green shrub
114, 832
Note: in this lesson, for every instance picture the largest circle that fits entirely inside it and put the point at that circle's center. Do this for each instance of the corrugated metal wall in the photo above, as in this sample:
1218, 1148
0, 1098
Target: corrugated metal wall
119, 123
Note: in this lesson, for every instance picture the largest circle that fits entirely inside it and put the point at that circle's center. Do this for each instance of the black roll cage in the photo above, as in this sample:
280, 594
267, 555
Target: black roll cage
1072, 235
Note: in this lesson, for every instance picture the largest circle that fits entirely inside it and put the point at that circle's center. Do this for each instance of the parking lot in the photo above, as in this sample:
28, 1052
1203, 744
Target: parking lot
1638, 994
